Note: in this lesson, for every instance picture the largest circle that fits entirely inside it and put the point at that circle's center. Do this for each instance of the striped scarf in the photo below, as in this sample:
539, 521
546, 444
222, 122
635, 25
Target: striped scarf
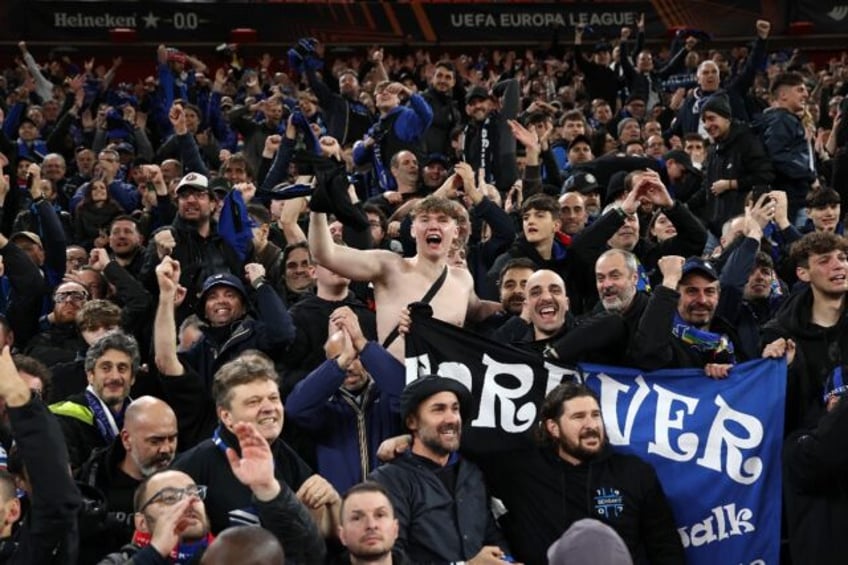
718, 346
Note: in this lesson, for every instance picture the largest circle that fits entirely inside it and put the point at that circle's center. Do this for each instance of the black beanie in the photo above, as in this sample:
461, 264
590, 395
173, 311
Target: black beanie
718, 104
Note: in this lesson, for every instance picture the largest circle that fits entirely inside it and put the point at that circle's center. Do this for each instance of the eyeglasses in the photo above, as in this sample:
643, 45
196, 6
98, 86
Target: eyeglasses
199, 194
171, 495
73, 296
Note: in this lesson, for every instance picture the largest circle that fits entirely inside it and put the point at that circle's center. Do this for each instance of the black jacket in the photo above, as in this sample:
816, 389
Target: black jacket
436, 525
347, 120
591, 243
654, 346
29, 288
818, 352
815, 463
79, 428
311, 315
58, 344
601, 81
648, 85
49, 532
544, 495
271, 333
199, 257
740, 156
284, 516
446, 116
228, 501
102, 471
499, 160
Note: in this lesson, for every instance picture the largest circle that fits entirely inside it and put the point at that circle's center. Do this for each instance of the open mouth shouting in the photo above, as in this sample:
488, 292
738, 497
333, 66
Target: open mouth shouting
547, 312
433, 240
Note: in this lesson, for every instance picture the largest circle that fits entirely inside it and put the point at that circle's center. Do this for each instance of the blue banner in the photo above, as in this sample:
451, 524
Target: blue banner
715, 445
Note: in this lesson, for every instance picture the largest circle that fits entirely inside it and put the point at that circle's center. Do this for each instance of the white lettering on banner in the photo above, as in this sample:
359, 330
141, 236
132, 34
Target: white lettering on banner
557, 374
79, 20
687, 442
512, 420
610, 388
541, 19
720, 435
723, 522
720, 440
457, 371
500, 406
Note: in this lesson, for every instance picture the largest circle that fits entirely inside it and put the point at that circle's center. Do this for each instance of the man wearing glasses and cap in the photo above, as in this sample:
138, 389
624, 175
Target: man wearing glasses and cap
194, 241
171, 521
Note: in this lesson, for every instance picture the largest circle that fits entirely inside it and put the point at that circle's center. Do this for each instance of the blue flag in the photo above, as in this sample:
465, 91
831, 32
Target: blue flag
715, 445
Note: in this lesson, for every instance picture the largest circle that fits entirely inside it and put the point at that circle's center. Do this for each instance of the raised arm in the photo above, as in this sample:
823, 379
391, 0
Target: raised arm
348, 262
55, 499
165, 325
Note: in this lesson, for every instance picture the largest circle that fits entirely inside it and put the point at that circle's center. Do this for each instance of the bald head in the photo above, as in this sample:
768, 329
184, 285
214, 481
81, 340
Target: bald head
247, 545
547, 303
149, 437
147, 409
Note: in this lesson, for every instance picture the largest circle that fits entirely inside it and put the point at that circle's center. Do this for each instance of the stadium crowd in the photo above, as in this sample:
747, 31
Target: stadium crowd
205, 278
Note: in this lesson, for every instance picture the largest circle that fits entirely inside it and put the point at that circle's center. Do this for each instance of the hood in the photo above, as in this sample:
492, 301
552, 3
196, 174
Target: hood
794, 315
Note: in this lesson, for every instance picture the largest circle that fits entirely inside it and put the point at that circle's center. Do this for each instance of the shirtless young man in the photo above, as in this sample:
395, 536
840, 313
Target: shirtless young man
399, 281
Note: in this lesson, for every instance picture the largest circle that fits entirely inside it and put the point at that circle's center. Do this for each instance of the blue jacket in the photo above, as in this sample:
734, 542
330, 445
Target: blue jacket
746, 316
338, 422
408, 126
791, 154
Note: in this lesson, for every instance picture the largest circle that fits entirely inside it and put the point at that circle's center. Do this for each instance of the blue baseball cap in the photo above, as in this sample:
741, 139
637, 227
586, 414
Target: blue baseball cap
221, 279
701, 266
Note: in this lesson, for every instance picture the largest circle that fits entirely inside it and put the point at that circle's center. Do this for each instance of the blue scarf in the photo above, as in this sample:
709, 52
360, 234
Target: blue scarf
108, 424
717, 346
384, 177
